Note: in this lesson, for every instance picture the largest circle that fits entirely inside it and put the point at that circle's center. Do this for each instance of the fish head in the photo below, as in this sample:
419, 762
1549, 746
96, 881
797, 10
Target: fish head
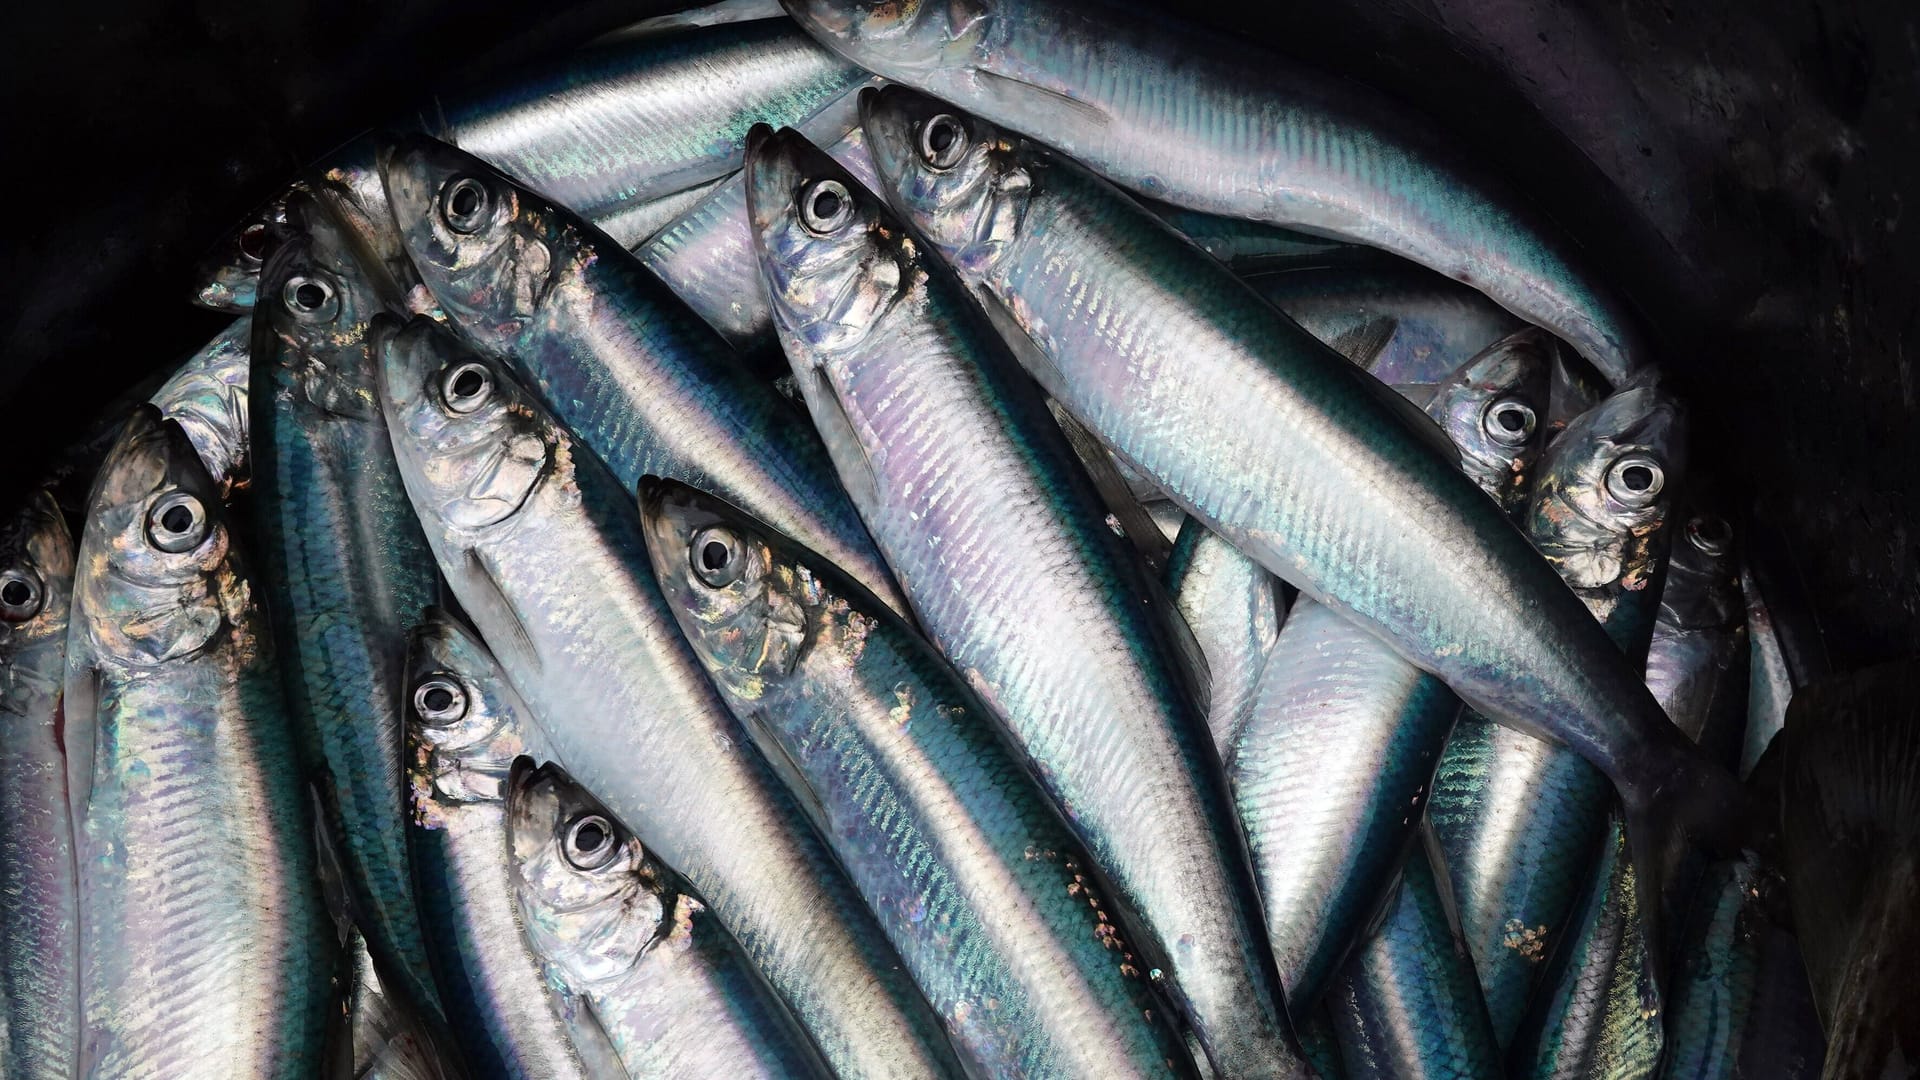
208, 397
465, 723
897, 38
472, 442
36, 578
229, 274
741, 601
1494, 409
592, 899
155, 580
1703, 574
1601, 502
310, 324
957, 179
834, 259
485, 248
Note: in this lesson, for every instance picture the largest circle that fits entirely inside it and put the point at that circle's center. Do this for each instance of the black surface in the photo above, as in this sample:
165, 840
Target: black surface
1741, 167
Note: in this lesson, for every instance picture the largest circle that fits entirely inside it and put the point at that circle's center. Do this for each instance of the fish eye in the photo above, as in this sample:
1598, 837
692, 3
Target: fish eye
253, 243
943, 139
717, 556
440, 700
1509, 421
466, 387
311, 298
176, 522
1709, 534
825, 207
589, 843
464, 204
20, 595
1636, 480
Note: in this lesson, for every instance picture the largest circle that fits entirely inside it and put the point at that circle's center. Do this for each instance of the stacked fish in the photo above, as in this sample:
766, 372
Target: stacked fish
894, 540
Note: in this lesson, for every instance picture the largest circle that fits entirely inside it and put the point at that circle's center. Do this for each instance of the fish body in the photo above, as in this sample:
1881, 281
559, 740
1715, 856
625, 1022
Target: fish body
208, 397
1769, 680
1174, 113
1251, 247
39, 922
587, 640
992, 904
203, 936
380, 1037
986, 514
1235, 610
465, 728
1418, 326
643, 382
640, 959
345, 565
1330, 775
1697, 661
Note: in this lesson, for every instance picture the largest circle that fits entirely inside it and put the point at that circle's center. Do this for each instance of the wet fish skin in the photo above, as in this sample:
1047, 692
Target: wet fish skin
646, 965
344, 563
1770, 682
1172, 112
1250, 247
1109, 309
1493, 410
992, 904
1235, 611
1697, 661
1424, 325
203, 936
208, 397
1406, 1004
1521, 820
39, 922
590, 646
944, 444
380, 1037
465, 727
623, 362
1330, 775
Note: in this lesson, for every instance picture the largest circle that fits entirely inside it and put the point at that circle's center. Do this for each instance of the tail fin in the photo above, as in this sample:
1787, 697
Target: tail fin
1850, 811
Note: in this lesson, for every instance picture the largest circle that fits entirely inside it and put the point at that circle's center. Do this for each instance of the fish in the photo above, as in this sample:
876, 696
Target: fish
1235, 610
39, 923
644, 383
1697, 660
706, 256
1770, 682
1850, 847
1491, 409
638, 956
1405, 324
345, 566
987, 516
993, 905
464, 730
588, 642
1306, 464
1252, 247
1406, 1003
608, 130
1521, 820
379, 1036
1175, 113
207, 395
1330, 775
203, 937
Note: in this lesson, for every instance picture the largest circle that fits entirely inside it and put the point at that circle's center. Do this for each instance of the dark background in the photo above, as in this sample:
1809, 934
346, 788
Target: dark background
1740, 167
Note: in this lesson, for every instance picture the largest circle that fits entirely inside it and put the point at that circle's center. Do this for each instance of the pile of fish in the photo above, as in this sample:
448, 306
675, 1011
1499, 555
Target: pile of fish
1000, 539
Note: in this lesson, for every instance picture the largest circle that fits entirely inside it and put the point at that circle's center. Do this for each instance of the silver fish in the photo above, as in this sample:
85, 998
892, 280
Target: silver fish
1330, 774
203, 936
465, 729
1406, 324
39, 921
379, 1037
1175, 113
1251, 247
1491, 410
208, 397
1273, 440
1697, 661
587, 640
1234, 608
990, 901
641, 960
988, 517
621, 361
1770, 682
